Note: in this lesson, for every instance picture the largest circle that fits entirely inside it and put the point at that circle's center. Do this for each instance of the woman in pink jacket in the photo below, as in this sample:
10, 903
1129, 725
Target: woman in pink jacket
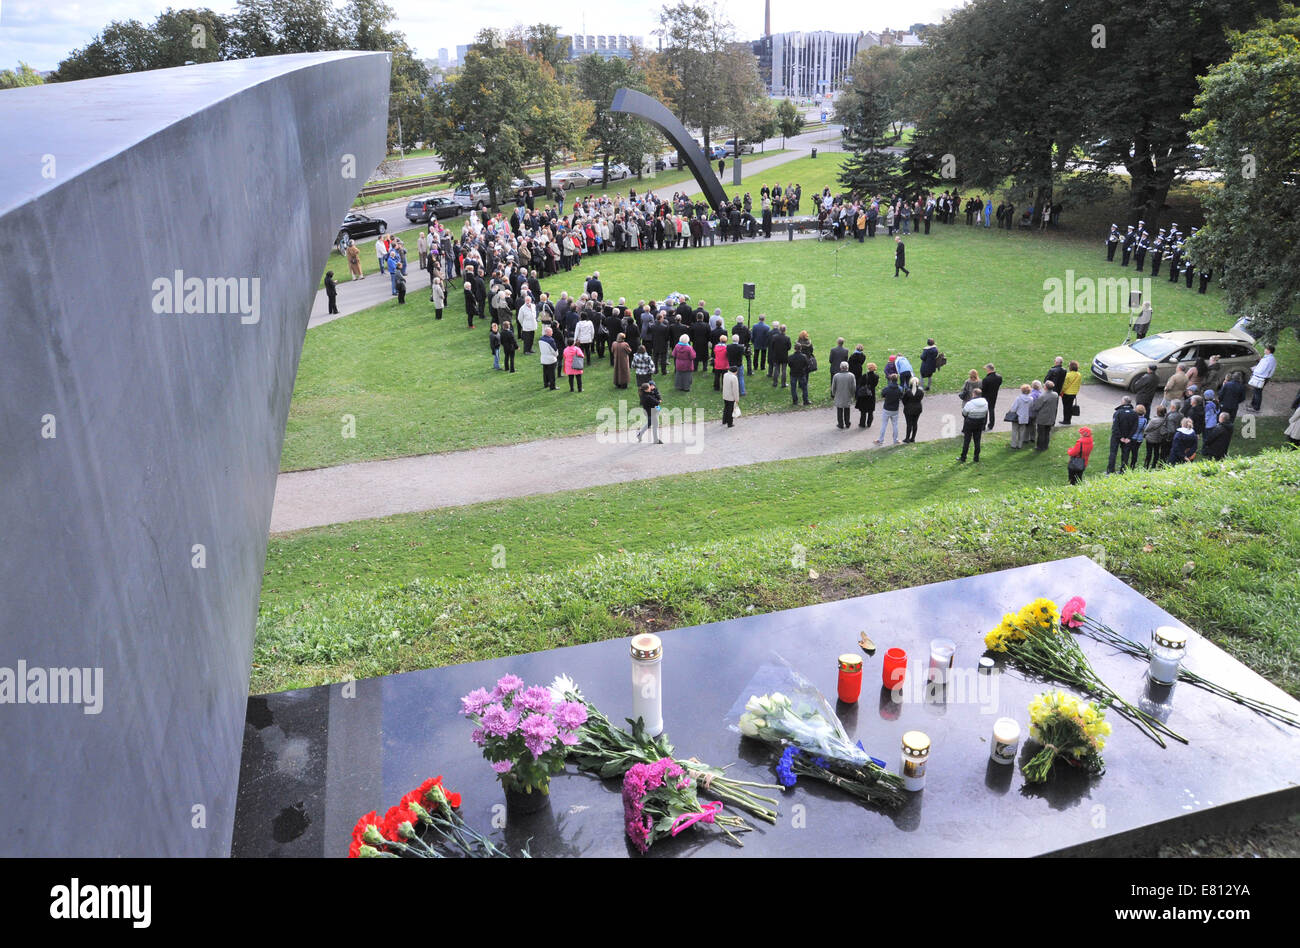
571, 352
684, 363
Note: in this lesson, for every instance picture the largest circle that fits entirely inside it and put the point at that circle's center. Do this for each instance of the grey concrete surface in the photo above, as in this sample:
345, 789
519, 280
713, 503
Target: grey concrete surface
141, 446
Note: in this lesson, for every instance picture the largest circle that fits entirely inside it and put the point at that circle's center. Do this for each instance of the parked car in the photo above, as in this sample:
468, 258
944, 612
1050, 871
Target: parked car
423, 210
717, 152
746, 148
528, 186
568, 180
474, 196
356, 226
596, 174
1167, 350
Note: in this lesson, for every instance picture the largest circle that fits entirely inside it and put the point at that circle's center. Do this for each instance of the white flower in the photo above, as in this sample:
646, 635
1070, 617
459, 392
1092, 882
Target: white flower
747, 726
757, 705
562, 687
778, 700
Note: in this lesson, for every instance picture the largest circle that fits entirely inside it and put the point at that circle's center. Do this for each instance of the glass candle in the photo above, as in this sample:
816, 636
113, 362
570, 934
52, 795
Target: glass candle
916, 752
1006, 740
850, 682
942, 656
647, 682
895, 667
1168, 645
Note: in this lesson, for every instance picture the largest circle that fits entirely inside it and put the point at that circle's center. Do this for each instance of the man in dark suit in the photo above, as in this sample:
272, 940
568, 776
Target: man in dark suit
1130, 238
900, 258
700, 340
594, 287
760, 336
740, 334
1217, 439
1145, 387
1123, 426
989, 387
779, 348
1112, 240
1056, 374
839, 353
660, 335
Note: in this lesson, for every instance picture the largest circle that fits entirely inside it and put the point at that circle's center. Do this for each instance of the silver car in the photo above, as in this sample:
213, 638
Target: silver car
1122, 365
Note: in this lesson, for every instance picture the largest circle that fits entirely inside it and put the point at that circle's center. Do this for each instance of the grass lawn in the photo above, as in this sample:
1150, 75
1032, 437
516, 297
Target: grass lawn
417, 386
1237, 523
541, 535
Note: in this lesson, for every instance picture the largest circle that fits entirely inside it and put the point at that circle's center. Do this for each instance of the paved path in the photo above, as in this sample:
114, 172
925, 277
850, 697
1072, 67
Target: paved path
357, 295
373, 489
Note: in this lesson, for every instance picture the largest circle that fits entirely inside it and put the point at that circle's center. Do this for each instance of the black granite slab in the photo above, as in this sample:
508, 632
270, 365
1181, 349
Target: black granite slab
316, 759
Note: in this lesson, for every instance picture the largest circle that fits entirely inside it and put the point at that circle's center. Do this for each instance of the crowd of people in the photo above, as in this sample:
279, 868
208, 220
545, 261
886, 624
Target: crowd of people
500, 260
859, 218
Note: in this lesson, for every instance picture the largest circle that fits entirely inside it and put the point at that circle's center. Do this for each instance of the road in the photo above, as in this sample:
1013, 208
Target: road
393, 213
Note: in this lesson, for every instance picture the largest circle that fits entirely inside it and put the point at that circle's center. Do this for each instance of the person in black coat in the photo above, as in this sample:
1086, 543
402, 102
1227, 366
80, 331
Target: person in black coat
508, 346
661, 334
1056, 374
331, 292
779, 352
900, 258
1145, 387
700, 341
471, 303
857, 363
989, 386
929, 362
866, 396
740, 334
1218, 438
1123, 426
839, 353
761, 336
594, 287
1231, 395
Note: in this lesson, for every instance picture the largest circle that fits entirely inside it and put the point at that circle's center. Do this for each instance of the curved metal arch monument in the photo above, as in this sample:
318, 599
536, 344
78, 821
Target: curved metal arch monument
166, 232
656, 113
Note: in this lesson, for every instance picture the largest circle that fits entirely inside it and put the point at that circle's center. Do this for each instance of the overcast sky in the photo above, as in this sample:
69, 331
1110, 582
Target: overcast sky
42, 32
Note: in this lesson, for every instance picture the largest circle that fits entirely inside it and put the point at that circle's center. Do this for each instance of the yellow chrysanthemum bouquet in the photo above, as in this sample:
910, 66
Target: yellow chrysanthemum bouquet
1034, 639
1069, 729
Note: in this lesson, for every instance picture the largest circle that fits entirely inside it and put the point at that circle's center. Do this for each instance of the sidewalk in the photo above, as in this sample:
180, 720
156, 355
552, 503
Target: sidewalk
373, 489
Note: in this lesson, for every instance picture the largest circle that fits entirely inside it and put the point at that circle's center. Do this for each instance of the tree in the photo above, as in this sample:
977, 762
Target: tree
558, 120
695, 39
864, 109
995, 92
789, 120
1247, 117
1141, 83
744, 109
122, 46
24, 75
477, 116
277, 27
544, 42
616, 136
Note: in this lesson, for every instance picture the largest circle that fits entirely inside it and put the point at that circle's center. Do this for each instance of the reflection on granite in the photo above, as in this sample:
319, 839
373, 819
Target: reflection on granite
315, 760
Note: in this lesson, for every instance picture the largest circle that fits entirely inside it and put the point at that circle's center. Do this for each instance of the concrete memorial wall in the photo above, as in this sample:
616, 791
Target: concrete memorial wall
164, 235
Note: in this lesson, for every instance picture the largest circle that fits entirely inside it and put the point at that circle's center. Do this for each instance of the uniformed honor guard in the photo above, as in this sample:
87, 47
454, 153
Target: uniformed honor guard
1157, 253
1175, 262
1140, 251
1112, 241
1188, 269
1130, 238
1206, 274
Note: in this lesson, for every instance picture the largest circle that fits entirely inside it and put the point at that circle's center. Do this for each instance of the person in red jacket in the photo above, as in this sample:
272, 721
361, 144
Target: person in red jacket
1082, 449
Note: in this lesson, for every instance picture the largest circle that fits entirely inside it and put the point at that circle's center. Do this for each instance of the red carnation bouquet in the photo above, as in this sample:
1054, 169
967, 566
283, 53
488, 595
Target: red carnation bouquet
426, 824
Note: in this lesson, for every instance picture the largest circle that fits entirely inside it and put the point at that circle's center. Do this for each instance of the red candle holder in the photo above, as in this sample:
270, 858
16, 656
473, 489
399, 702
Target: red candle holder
850, 681
895, 668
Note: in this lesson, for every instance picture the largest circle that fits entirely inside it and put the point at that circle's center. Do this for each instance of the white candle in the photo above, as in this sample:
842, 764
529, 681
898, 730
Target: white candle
1167, 648
647, 683
1006, 740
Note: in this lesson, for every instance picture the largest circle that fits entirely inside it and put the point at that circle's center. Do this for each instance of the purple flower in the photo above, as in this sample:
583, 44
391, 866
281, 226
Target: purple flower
506, 684
502, 766
570, 715
539, 733
499, 722
479, 736
568, 739
474, 702
535, 698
